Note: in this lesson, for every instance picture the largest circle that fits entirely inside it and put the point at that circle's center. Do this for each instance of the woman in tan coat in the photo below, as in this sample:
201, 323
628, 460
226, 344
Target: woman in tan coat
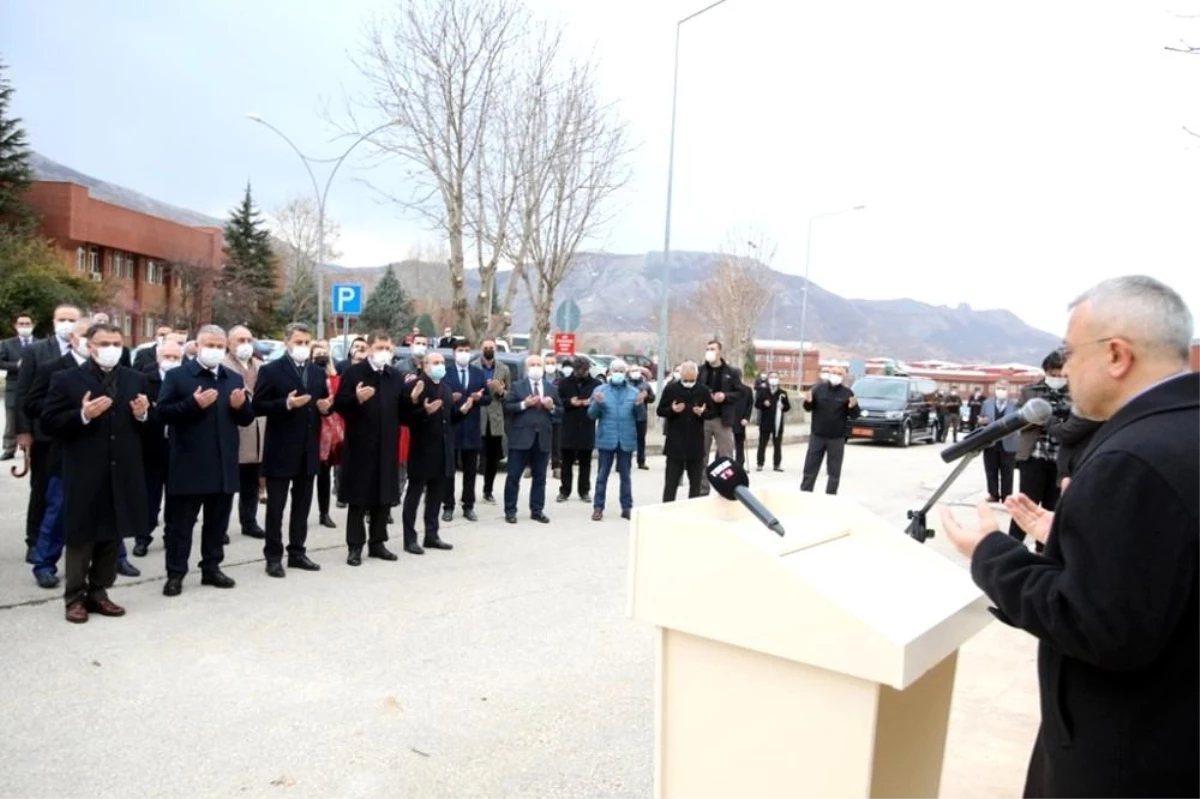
240, 359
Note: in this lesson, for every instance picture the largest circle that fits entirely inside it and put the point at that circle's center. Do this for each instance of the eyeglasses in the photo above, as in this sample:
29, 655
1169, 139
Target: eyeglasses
1067, 351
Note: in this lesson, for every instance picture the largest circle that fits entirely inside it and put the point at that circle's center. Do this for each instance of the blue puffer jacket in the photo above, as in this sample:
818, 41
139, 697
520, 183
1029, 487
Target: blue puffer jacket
615, 416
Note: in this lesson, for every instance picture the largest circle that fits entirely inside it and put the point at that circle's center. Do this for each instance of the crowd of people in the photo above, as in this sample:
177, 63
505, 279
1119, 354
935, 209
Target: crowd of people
121, 445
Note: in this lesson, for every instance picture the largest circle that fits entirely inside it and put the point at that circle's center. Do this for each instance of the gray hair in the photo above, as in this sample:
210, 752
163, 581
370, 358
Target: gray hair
1147, 311
618, 363
297, 327
688, 365
215, 330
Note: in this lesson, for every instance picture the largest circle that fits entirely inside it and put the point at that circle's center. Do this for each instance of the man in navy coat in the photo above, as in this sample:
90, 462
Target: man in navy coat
465, 381
292, 393
530, 408
202, 404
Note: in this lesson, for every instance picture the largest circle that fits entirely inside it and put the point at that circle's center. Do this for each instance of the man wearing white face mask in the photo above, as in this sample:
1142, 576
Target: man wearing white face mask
465, 381
11, 352
241, 361
98, 412
832, 405
30, 436
1037, 447
155, 450
999, 458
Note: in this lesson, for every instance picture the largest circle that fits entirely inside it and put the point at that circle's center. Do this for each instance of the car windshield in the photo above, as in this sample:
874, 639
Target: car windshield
881, 389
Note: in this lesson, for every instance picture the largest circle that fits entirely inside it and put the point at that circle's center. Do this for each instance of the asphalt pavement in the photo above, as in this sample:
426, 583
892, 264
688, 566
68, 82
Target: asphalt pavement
504, 668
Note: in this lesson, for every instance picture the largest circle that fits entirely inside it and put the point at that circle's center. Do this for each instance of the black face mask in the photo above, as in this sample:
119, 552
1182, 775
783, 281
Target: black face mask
488, 354
321, 360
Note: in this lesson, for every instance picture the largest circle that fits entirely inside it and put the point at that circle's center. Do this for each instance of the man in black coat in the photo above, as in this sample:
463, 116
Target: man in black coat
202, 404
578, 436
433, 412
149, 357
368, 399
724, 414
98, 411
30, 436
745, 408
292, 393
773, 406
156, 450
1113, 600
466, 380
684, 404
11, 352
832, 405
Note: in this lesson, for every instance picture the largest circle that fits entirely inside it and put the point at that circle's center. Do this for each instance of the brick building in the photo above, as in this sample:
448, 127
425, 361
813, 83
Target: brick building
131, 251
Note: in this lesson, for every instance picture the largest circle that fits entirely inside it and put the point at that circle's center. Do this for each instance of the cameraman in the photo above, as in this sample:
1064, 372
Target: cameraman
1037, 448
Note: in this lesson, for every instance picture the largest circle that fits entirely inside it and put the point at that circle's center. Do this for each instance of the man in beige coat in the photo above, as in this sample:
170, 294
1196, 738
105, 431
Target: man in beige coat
240, 359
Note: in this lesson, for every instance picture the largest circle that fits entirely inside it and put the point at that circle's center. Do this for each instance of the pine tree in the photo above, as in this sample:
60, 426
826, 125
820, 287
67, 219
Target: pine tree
15, 172
388, 308
425, 324
248, 291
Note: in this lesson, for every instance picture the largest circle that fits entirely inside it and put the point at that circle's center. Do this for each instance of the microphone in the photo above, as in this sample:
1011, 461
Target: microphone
1035, 412
732, 482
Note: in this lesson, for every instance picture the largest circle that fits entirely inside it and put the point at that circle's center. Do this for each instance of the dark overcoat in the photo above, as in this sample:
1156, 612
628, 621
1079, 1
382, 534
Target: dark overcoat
293, 439
578, 429
203, 441
685, 430
35, 399
104, 482
1113, 604
431, 453
768, 401
468, 434
370, 458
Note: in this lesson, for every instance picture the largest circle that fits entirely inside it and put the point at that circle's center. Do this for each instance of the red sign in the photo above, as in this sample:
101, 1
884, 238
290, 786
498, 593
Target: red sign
564, 343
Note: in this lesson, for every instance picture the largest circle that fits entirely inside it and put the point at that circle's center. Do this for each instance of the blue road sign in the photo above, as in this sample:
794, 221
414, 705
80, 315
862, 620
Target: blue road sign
567, 318
347, 299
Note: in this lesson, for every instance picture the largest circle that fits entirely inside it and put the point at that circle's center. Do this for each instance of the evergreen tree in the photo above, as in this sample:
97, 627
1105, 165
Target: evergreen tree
248, 291
33, 279
15, 171
388, 308
425, 324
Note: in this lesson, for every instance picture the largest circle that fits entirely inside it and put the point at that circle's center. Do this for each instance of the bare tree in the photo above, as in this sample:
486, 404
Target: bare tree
192, 283
688, 329
576, 161
437, 67
296, 227
738, 292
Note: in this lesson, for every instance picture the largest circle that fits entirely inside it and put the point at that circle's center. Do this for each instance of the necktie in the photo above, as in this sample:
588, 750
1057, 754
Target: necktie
537, 389
462, 376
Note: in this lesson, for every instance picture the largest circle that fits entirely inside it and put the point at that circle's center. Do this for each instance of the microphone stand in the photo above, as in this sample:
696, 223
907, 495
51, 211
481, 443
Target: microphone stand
916, 527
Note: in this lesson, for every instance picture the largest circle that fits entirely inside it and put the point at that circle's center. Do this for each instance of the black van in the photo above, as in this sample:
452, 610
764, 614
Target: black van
899, 410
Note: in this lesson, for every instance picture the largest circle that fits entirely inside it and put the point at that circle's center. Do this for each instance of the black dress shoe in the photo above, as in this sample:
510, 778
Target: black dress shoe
303, 563
275, 569
140, 550
438, 543
381, 552
562, 497
448, 515
643, 467
30, 555
540, 517
355, 557
778, 468
173, 587
390, 519
328, 522
7, 456
46, 580
342, 505
127, 569
251, 532
489, 499
469, 515
625, 514
217, 579
511, 519
585, 498
227, 539
758, 468
414, 549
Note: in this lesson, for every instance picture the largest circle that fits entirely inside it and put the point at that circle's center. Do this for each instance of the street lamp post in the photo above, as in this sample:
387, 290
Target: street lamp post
321, 196
807, 260
663, 365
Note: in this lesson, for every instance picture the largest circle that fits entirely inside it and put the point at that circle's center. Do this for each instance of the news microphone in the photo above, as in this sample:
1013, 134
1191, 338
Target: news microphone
1035, 412
732, 482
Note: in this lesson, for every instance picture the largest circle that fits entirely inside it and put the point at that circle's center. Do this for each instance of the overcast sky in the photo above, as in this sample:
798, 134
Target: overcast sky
1009, 155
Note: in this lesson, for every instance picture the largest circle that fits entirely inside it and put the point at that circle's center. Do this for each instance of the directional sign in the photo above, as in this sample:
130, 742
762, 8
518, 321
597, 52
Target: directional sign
566, 318
347, 299
564, 343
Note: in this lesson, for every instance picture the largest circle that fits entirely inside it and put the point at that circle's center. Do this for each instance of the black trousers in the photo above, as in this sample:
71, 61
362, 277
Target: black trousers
641, 442
277, 497
570, 459
184, 509
248, 474
765, 435
1039, 482
10, 416
739, 444
953, 422
91, 569
555, 446
470, 467
356, 530
39, 479
432, 489
676, 468
998, 466
324, 488
818, 447
493, 448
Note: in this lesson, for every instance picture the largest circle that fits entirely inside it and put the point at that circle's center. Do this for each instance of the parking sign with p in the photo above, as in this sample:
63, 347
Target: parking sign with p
347, 299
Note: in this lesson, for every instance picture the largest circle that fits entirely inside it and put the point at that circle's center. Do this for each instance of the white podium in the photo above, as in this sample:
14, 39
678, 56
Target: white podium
819, 664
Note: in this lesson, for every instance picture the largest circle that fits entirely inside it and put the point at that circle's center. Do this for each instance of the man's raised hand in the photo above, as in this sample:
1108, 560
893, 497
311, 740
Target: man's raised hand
204, 397
295, 400
363, 392
93, 408
237, 398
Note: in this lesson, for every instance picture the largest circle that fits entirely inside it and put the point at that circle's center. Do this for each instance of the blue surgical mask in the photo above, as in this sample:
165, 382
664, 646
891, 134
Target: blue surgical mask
617, 378
437, 372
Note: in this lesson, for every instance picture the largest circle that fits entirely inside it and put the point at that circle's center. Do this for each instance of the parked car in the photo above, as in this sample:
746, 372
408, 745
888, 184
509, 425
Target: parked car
899, 410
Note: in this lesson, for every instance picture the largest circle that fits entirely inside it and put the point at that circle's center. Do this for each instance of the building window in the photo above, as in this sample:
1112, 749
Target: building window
81, 261
149, 326
94, 264
123, 265
154, 273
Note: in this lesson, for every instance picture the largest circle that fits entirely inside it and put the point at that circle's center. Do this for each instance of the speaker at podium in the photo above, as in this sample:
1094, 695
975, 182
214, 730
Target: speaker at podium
818, 663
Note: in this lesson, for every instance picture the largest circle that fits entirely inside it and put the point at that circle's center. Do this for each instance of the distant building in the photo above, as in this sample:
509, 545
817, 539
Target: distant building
130, 250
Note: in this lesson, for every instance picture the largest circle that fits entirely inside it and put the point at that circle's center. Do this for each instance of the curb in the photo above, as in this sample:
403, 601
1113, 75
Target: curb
656, 448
